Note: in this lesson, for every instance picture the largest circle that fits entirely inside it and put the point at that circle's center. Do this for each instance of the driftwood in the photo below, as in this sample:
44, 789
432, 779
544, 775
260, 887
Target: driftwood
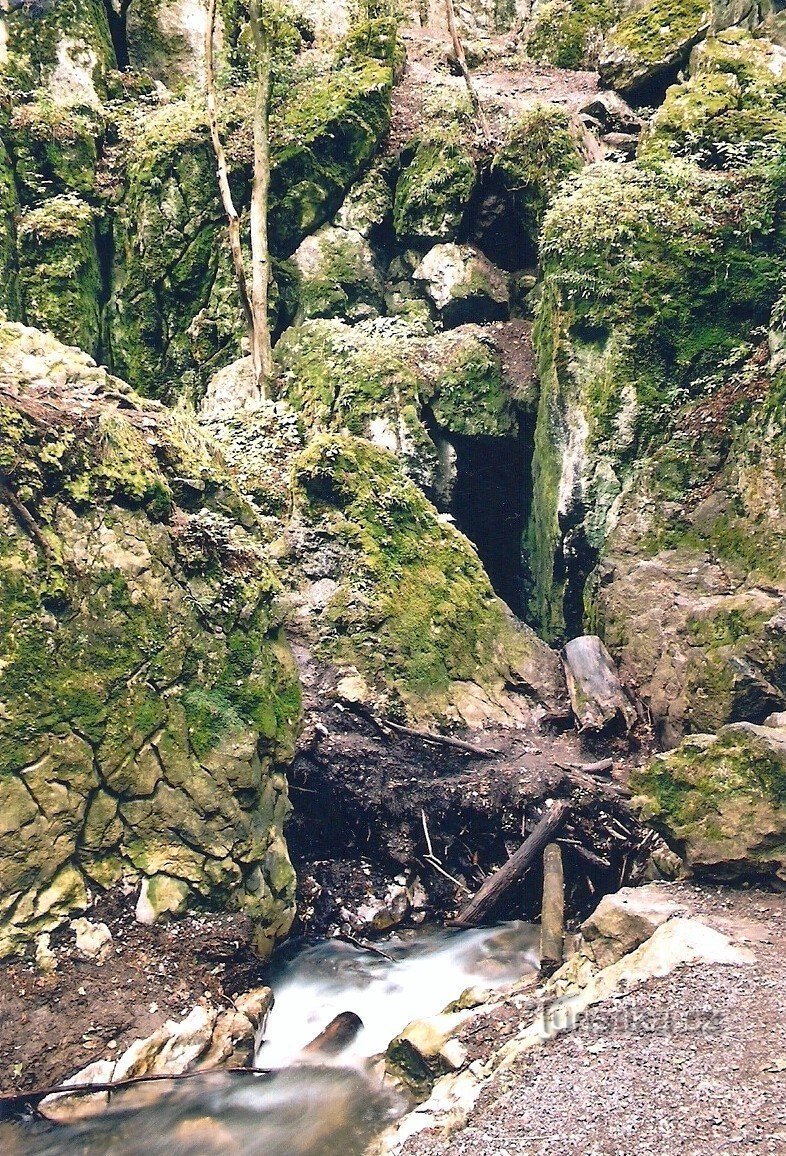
13, 1103
552, 916
602, 767
501, 881
441, 740
596, 694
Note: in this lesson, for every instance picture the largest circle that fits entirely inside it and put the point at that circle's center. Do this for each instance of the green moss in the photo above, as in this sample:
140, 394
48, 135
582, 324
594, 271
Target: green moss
417, 612
650, 40
694, 785
10, 301
435, 188
568, 33
59, 270
541, 152
731, 111
55, 149
37, 33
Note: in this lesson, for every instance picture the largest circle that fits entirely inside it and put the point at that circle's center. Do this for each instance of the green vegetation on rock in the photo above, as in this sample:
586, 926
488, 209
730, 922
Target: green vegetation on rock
434, 188
542, 150
149, 698
569, 33
723, 800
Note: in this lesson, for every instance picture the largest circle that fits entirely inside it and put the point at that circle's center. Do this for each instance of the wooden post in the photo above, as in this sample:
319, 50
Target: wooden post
501, 881
552, 916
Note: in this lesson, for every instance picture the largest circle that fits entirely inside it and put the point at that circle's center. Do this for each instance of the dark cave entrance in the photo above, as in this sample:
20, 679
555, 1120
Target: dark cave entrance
490, 502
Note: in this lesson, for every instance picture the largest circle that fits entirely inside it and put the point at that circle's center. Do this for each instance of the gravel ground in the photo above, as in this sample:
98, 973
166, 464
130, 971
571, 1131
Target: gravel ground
690, 1065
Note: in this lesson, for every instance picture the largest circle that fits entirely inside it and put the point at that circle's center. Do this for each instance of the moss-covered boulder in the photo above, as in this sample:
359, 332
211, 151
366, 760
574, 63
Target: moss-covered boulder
434, 189
338, 276
722, 801
62, 46
376, 380
732, 109
542, 150
653, 279
652, 41
463, 285
398, 600
569, 33
59, 271
149, 701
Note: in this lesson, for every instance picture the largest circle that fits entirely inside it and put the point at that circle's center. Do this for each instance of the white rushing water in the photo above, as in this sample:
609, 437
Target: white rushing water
427, 969
327, 1107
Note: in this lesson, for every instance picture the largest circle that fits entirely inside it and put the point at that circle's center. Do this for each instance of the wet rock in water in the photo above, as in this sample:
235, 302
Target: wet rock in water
426, 1050
721, 800
206, 1039
463, 285
624, 920
596, 695
339, 1033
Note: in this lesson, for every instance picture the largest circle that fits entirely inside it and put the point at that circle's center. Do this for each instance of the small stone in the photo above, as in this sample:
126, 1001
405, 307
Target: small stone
93, 940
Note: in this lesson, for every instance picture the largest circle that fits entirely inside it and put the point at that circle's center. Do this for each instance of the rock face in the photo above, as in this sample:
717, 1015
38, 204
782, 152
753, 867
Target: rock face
148, 699
722, 800
646, 475
397, 596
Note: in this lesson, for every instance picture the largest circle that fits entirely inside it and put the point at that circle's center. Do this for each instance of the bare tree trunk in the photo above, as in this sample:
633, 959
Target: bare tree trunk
260, 249
458, 50
222, 172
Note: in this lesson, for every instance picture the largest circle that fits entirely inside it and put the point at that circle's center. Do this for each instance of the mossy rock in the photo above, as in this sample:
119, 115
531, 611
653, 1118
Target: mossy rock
569, 33
434, 189
410, 607
63, 46
149, 698
55, 149
652, 41
376, 379
732, 109
542, 150
338, 276
652, 283
10, 301
59, 271
722, 801
174, 318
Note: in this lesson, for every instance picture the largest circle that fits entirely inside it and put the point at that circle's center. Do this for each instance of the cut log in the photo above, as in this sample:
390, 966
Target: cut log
552, 916
495, 887
596, 695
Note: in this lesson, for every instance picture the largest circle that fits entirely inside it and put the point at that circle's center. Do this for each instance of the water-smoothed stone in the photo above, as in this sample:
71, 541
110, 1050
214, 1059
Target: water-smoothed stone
623, 921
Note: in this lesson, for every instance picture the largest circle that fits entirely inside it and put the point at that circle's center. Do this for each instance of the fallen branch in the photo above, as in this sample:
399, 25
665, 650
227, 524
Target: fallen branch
588, 856
365, 946
603, 767
26, 521
11, 1102
461, 60
442, 740
502, 880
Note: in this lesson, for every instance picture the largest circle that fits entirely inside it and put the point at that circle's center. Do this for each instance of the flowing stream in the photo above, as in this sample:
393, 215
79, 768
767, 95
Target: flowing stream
309, 1105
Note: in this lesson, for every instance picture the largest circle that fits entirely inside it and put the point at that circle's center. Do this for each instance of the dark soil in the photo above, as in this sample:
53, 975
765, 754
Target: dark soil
54, 1023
